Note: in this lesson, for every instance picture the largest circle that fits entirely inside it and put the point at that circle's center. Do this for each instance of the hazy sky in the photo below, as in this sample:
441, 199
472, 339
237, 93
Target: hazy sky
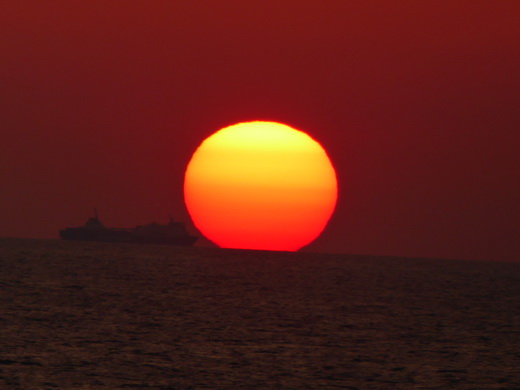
102, 104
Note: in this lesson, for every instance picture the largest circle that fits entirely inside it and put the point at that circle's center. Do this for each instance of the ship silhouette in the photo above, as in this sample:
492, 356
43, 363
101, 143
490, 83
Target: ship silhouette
172, 233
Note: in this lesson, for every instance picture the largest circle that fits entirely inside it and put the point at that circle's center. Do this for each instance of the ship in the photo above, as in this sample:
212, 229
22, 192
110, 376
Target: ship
172, 233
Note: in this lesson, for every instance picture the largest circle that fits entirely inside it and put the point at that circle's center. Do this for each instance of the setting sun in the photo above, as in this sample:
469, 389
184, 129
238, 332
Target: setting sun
260, 185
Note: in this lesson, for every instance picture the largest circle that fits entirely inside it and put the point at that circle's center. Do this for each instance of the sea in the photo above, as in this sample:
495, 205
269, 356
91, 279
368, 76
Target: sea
87, 315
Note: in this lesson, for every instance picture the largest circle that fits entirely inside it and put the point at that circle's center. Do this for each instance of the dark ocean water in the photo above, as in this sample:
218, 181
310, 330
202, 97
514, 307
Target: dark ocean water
118, 316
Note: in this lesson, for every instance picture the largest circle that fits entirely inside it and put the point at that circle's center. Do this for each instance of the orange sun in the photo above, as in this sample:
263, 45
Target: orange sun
260, 185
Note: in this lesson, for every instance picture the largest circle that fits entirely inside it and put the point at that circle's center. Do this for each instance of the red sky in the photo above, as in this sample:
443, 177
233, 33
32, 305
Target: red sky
102, 104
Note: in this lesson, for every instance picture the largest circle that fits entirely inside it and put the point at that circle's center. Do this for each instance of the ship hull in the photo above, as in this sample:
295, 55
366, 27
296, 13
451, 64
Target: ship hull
79, 234
108, 235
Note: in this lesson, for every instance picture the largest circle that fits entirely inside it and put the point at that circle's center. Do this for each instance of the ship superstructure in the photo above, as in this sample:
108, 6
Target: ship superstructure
172, 233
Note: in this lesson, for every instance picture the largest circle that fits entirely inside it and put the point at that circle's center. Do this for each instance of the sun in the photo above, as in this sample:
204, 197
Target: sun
260, 185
